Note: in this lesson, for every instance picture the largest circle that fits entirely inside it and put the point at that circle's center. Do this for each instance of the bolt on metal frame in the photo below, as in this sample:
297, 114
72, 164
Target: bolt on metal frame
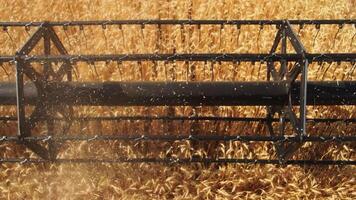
51, 83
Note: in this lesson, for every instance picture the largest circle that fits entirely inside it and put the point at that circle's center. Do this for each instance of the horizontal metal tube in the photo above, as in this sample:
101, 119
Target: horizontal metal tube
216, 57
172, 161
178, 22
167, 137
184, 93
186, 118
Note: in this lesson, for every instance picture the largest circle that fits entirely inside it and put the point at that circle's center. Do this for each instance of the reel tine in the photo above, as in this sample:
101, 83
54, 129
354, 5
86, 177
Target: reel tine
65, 29
238, 27
317, 26
103, 28
6, 30
352, 39
335, 36
4, 69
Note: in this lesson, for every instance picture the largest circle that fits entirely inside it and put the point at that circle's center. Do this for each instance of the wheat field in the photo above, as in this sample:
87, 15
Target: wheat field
196, 181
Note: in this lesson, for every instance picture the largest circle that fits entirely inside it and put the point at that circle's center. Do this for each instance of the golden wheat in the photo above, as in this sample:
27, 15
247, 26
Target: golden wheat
142, 181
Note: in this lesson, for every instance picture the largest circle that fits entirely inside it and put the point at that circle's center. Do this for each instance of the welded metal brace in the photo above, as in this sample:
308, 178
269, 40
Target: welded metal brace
42, 108
286, 149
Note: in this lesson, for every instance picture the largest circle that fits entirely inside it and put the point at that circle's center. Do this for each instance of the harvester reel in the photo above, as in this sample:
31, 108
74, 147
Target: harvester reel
53, 94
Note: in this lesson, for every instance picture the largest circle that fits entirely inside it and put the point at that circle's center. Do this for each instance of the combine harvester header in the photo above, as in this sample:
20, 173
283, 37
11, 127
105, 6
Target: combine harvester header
53, 91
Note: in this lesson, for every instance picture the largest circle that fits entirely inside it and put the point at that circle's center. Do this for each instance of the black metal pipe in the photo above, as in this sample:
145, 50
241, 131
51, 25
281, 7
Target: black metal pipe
186, 118
178, 22
212, 57
327, 92
180, 137
154, 93
346, 57
172, 161
185, 93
